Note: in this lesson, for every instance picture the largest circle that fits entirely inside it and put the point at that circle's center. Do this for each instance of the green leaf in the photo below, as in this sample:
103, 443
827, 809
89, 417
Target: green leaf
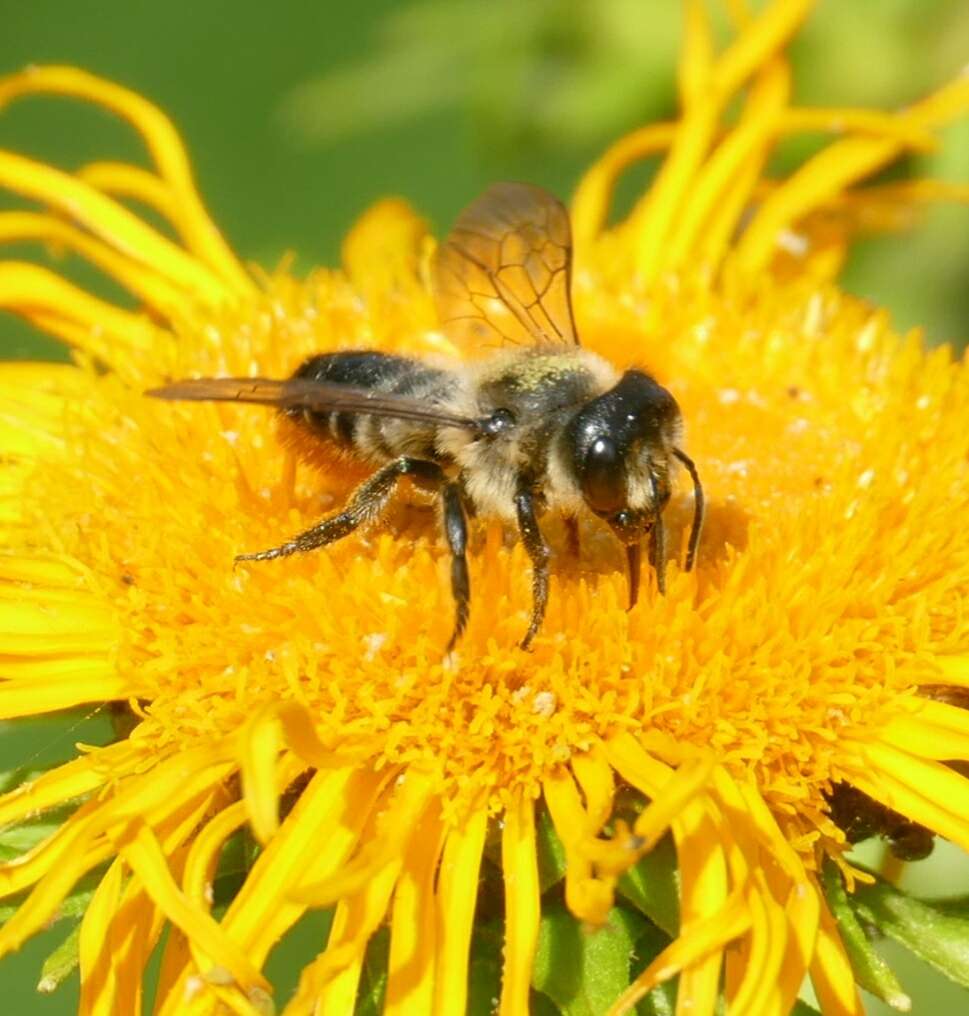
551, 853
653, 886
801, 1008
661, 1001
871, 971
936, 933
484, 973
11, 778
61, 962
373, 975
583, 971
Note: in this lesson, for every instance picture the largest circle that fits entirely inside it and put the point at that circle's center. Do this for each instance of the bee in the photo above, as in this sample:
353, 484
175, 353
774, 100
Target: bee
529, 423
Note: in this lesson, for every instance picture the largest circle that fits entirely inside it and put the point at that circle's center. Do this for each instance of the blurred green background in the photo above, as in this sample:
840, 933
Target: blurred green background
299, 114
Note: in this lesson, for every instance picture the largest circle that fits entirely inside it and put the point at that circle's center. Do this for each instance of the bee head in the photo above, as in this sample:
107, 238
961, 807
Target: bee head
621, 445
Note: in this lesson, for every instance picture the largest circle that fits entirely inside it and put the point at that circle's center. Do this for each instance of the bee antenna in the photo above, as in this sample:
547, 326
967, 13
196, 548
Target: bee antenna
698, 507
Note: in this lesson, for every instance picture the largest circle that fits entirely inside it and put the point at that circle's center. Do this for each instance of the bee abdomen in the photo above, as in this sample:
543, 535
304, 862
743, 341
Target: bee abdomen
370, 437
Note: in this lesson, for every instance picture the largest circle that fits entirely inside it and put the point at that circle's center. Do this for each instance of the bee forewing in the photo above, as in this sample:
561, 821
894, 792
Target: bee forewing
224, 389
317, 396
503, 275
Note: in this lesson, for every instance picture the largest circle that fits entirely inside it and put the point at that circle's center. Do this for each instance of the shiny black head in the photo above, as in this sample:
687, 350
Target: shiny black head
621, 446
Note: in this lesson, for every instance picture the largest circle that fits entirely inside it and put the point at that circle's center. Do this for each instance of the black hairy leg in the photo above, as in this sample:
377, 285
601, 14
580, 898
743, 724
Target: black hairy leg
537, 550
456, 534
365, 505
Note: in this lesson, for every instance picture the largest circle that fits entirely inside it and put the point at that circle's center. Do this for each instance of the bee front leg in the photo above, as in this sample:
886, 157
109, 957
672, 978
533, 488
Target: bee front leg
456, 534
365, 504
537, 550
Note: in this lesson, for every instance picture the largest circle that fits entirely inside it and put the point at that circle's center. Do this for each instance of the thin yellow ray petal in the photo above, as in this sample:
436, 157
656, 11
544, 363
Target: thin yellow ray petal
163, 143
149, 287
697, 53
744, 146
413, 923
704, 893
456, 898
260, 742
670, 789
595, 778
43, 297
79, 686
69, 781
175, 958
66, 862
760, 38
653, 218
127, 181
112, 222
49, 570
936, 731
313, 840
78, 845
203, 857
704, 861
590, 203
398, 817
831, 973
835, 168
43, 415
954, 669
94, 961
519, 862
806, 119
589, 898
23, 438
382, 251
143, 853
138, 923
329, 984
133, 934
53, 378
803, 912
38, 668
706, 937
768, 943
924, 791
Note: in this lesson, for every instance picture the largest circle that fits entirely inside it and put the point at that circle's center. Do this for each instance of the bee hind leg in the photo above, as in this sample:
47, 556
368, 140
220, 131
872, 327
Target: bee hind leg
365, 504
537, 550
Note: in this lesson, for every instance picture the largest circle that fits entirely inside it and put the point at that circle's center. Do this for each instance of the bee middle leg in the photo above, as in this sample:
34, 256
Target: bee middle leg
365, 504
537, 550
456, 534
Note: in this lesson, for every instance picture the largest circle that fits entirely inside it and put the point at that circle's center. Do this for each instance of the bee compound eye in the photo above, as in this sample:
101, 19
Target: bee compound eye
604, 477
499, 421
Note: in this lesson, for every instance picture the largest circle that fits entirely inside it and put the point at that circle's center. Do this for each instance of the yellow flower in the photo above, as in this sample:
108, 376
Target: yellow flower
308, 698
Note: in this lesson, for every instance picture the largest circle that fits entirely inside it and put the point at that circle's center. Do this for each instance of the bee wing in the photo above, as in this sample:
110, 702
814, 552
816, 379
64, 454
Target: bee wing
503, 275
318, 396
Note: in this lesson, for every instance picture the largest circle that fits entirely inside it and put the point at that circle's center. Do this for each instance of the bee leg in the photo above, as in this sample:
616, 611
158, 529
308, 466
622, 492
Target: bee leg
456, 534
657, 552
537, 550
572, 539
365, 504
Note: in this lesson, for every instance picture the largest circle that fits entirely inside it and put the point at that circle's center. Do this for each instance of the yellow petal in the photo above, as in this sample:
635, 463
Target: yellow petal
519, 860
456, 899
413, 923
163, 142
